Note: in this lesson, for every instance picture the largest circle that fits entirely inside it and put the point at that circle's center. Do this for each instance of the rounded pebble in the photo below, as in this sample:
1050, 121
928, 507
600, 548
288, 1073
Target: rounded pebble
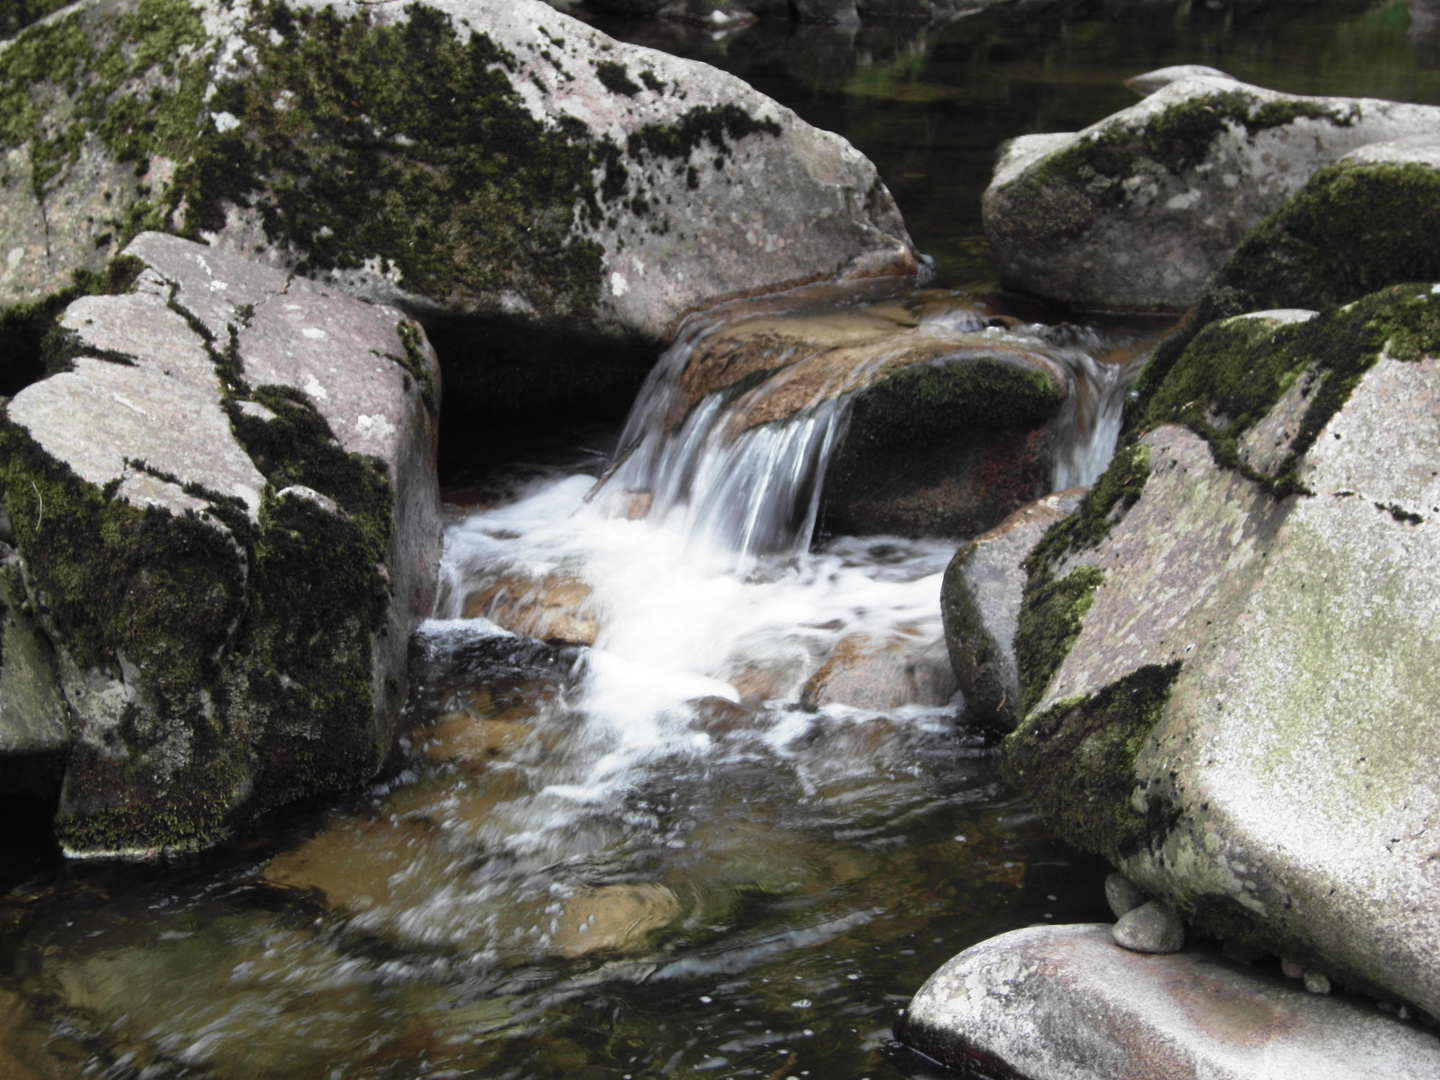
1316, 982
1150, 928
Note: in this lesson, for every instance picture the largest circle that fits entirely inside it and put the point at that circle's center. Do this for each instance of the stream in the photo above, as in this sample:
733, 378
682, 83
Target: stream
650, 845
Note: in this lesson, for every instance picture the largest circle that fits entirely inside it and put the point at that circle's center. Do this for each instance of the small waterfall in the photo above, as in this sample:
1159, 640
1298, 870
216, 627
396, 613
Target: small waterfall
753, 492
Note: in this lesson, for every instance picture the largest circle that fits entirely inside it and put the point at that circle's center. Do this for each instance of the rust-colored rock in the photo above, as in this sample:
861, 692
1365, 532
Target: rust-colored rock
552, 608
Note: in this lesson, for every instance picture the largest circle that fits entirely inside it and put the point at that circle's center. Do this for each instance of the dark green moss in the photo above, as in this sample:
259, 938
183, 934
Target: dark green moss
1077, 760
920, 401
1052, 614
651, 81
138, 84
1053, 609
15, 15
716, 126
1232, 373
416, 365
444, 174
1352, 230
162, 590
615, 78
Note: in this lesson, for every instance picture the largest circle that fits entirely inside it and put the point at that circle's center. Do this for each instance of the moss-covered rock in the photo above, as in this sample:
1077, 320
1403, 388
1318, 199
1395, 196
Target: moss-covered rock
1235, 708
458, 157
945, 416
1370, 220
1139, 210
224, 510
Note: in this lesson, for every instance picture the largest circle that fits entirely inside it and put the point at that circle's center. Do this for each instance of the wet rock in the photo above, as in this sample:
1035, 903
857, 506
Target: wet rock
34, 723
1147, 84
1139, 210
946, 431
551, 608
468, 740
980, 606
1122, 895
226, 524
1221, 699
1150, 928
615, 918
882, 675
1066, 1003
14, 1018
626, 200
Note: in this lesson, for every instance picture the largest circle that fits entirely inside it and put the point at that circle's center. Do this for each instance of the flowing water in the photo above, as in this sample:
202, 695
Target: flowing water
666, 848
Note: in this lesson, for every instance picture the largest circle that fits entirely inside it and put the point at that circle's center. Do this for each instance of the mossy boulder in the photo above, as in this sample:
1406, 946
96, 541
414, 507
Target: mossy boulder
454, 158
1370, 220
225, 520
1139, 210
1225, 654
945, 416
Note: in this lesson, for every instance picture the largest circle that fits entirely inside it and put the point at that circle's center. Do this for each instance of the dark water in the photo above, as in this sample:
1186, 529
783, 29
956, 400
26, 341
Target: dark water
770, 902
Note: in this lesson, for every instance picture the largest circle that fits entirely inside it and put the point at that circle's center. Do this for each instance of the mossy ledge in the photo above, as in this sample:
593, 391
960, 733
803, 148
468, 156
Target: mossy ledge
1085, 748
942, 396
1053, 608
1354, 229
1233, 372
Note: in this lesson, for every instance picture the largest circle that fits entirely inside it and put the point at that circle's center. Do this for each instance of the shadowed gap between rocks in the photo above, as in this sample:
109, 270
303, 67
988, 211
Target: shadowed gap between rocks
508, 381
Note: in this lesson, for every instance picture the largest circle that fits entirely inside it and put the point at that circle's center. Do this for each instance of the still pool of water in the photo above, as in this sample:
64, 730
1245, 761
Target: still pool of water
651, 857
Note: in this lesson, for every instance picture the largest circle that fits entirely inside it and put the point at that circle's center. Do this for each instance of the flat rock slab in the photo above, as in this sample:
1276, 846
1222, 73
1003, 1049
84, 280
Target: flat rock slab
1066, 1003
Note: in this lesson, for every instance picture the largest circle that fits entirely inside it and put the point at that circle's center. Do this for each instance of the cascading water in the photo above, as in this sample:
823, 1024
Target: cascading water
704, 844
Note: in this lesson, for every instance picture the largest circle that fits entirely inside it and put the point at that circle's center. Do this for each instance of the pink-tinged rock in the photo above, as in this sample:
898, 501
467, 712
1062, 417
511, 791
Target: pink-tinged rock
1066, 1003
226, 523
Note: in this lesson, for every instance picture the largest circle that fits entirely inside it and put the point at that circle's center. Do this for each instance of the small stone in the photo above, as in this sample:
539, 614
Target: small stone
1292, 970
1150, 928
1316, 982
1123, 895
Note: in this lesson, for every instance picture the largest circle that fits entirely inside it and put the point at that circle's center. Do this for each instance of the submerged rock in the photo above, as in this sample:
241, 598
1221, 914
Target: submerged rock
552, 608
864, 673
980, 605
226, 525
1066, 1003
456, 157
1140, 209
1227, 677
615, 918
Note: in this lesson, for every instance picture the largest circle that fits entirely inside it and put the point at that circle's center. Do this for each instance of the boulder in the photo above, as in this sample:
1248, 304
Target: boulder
938, 421
1370, 220
1226, 653
1066, 1003
980, 605
1140, 209
453, 158
226, 526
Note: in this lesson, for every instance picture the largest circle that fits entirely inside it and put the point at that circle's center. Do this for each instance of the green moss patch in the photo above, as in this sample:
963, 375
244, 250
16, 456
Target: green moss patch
405, 142
1053, 609
1352, 230
1077, 760
940, 397
136, 82
1233, 372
